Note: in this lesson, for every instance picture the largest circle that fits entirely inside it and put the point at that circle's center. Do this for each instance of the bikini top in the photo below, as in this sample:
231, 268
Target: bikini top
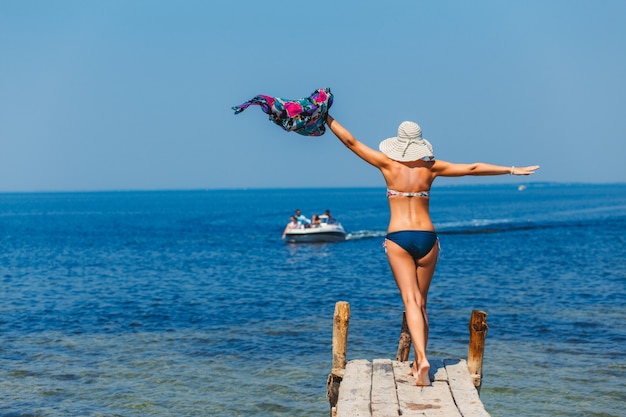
393, 193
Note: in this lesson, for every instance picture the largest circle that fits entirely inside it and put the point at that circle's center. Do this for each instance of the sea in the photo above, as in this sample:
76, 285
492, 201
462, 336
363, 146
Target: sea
188, 303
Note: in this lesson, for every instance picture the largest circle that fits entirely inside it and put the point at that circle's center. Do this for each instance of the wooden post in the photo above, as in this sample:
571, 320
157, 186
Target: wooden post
340, 346
340, 336
404, 345
478, 332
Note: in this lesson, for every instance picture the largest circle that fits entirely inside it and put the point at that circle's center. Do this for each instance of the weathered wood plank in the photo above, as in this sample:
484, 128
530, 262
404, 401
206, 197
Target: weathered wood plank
384, 394
438, 401
437, 370
458, 374
433, 401
463, 389
355, 390
406, 389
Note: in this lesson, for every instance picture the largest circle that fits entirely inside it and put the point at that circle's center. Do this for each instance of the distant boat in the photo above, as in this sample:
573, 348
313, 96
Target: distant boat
327, 231
521, 188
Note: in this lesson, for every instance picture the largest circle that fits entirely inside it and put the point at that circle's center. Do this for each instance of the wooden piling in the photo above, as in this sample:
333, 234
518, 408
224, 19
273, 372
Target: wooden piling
478, 332
404, 345
341, 319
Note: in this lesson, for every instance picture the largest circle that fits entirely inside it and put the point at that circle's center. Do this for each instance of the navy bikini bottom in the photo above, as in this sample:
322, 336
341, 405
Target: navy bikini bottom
418, 243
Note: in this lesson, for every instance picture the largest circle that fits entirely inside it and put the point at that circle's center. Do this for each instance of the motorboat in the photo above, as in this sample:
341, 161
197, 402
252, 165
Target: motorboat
328, 230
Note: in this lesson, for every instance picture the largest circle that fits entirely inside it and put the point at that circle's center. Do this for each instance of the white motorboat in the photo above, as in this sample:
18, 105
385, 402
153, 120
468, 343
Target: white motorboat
327, 231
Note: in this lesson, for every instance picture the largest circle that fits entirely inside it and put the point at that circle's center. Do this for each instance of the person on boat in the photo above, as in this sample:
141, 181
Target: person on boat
331, 219
316, 221
302, 219
409, 168
293, 224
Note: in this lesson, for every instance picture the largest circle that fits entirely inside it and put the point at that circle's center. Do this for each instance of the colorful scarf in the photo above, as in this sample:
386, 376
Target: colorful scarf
305, 116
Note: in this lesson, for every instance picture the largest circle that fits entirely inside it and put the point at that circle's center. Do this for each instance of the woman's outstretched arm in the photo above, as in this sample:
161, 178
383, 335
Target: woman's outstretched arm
448, 169
369, 155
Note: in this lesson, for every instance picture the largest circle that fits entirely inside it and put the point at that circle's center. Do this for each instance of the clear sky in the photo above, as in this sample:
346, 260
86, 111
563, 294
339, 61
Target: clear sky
137, 95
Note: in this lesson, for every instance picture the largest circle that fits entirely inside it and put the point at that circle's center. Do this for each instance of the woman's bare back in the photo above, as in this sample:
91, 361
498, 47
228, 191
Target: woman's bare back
409, 212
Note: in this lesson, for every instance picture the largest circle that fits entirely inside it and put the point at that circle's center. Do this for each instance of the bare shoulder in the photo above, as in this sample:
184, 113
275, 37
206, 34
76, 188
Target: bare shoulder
368, 154
439, 165
379, 159
449, 169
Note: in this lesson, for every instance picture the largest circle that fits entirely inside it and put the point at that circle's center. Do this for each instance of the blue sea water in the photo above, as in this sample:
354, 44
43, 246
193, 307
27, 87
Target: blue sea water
187, 303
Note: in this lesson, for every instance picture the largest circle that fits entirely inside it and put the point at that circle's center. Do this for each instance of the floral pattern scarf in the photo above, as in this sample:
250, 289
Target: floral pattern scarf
305, 116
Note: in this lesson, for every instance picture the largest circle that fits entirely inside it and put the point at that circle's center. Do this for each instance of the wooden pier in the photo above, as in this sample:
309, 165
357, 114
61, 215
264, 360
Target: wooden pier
384, 388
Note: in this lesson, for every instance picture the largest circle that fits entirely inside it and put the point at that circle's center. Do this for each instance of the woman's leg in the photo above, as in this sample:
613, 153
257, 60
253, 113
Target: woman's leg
413, 282
425, 271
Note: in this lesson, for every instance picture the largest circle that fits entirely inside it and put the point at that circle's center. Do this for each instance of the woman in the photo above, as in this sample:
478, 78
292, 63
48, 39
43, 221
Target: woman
407, 163
293, 224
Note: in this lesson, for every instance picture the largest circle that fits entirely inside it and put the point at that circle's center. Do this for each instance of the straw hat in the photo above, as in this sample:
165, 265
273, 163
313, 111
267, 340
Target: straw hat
408, 145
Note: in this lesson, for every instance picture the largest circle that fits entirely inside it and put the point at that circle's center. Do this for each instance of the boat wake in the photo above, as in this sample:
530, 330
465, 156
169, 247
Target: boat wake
459, 228
503, 226
365, 234
477, 227
562, 219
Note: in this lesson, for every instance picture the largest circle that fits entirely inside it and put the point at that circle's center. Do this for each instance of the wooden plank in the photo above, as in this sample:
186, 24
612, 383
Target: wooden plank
463, 389
414, 401
406, 390
458, 375
384, 395
439, 401
437, 370
355, 390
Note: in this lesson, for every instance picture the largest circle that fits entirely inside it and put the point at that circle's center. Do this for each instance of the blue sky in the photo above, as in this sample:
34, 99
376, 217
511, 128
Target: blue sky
137, 95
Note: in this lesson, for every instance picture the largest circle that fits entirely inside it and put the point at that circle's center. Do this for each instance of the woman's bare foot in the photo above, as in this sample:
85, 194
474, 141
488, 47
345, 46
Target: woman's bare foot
422, 379
421, 374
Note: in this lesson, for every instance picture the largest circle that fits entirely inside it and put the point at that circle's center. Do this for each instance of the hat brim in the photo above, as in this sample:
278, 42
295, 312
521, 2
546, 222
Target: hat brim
398, 151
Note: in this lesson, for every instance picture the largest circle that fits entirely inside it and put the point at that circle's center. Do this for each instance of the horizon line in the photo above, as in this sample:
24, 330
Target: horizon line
148, 190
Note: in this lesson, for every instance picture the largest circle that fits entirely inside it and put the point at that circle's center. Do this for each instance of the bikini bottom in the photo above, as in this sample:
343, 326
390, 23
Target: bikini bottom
418, 243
